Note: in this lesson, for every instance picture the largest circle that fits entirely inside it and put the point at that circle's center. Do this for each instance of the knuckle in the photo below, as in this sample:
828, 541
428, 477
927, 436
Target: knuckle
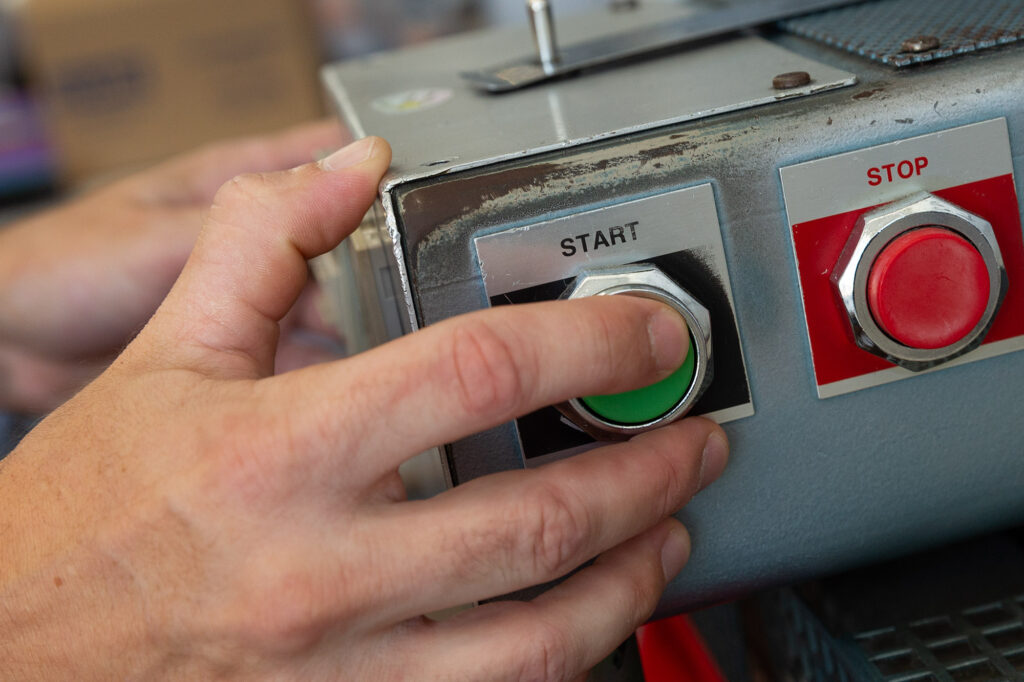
246, 190
617, 337
672, 470
250, 463
677, 486
641, 593
683, 475
604, 336
284, 617
554, 531
492, 376
549, 656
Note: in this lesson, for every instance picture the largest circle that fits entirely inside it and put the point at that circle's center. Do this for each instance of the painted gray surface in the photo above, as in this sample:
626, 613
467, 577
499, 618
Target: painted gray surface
814, 486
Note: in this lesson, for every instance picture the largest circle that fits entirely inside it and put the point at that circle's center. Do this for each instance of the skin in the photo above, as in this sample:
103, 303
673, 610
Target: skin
191, 514
77, 283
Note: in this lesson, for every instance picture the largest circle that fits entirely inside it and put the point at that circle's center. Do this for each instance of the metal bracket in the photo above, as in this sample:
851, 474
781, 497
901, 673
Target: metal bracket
551, 62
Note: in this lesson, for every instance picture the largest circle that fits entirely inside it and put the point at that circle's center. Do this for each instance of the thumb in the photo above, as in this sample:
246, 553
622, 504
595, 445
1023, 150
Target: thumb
249, 264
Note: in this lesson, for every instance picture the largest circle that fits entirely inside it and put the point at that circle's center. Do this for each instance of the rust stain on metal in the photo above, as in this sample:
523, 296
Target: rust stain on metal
440, 214
867, 94
442, 203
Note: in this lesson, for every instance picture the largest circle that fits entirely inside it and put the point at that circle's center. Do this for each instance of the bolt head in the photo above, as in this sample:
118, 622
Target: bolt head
919, 44
791, 79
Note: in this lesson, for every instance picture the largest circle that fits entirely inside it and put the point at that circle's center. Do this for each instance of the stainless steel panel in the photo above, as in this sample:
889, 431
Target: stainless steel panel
445, 126
551, 62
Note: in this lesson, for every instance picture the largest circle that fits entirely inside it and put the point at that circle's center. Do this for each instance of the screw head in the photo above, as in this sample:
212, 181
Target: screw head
791, 79
919, 44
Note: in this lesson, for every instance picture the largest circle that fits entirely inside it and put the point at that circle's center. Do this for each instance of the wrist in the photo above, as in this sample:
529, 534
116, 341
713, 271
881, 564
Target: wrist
70, 607
58, 624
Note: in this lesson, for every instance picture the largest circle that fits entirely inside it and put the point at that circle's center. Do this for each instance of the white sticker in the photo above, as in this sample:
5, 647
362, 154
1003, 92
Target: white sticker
412, 101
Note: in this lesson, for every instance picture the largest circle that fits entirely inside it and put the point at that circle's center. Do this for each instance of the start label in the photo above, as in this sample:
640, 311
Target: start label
676, 231
627, 232
969, 166
620, 234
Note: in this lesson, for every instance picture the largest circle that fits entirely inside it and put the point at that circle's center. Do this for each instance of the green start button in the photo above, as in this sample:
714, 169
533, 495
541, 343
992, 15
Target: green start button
649, 403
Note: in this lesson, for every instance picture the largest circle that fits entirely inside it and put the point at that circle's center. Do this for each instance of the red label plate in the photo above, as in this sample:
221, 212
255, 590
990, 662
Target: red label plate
818, 243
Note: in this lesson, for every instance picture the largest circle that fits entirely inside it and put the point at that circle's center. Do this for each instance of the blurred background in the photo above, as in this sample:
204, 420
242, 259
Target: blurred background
94, 88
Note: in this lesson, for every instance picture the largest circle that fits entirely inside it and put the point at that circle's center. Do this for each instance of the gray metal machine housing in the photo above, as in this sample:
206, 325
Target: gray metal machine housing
814, 485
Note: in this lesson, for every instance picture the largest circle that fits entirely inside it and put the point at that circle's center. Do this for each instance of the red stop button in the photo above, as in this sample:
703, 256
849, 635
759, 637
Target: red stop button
928, 288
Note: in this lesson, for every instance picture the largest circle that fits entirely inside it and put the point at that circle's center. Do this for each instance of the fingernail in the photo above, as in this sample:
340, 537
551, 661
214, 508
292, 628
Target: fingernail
675, 552
669, 337
715, 457
352, 155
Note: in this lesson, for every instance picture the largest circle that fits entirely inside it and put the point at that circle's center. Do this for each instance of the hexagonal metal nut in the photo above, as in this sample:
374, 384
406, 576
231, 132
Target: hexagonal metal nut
650, 282
873, 232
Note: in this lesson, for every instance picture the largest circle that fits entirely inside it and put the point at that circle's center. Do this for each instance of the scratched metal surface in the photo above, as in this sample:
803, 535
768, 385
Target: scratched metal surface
814, 486
877, 29
439, 124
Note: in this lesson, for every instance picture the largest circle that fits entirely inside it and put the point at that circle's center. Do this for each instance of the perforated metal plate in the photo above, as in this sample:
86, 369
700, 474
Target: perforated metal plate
877, 30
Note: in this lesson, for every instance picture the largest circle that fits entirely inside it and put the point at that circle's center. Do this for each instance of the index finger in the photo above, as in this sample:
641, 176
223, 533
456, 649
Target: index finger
479, 370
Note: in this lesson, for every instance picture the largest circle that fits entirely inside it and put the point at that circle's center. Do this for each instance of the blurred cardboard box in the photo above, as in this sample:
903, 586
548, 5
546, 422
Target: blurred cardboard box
126, 82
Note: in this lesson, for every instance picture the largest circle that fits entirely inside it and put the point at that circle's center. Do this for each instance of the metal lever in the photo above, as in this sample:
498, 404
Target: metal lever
543, 23
552, 62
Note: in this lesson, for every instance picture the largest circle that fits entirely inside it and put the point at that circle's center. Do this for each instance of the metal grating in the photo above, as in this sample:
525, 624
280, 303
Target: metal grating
878, 29
980, 644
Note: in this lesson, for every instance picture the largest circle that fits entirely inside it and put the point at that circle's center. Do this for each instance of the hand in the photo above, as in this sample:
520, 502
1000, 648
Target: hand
190, 516
76, 283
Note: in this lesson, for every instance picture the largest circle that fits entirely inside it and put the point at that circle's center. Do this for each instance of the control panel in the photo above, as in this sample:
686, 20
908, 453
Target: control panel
667, 247
913, 257
842, 234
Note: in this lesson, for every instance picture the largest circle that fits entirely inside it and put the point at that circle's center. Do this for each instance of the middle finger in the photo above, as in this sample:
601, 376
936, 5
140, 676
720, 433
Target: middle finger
509, 531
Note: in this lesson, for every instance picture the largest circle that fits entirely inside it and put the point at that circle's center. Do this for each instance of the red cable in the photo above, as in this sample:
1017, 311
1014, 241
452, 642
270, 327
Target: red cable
671, 650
